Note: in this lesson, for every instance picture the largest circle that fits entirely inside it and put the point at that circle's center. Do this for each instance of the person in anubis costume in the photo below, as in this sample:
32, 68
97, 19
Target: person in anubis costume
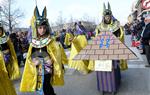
38, 75
9, 69
78, 42
110, 24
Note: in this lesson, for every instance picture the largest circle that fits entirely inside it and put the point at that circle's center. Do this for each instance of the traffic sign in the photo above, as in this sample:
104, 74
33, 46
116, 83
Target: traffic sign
146, 4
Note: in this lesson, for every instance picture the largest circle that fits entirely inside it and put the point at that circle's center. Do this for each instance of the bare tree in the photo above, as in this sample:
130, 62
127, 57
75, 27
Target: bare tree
89, 22
10, 14
85, 17
71, 19
60, 20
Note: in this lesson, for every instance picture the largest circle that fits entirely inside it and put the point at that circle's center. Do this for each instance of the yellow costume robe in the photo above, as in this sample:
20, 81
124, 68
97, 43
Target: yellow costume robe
78, 44
6, 86
12, 67
29, 78
67, 39
113, 26
11, 70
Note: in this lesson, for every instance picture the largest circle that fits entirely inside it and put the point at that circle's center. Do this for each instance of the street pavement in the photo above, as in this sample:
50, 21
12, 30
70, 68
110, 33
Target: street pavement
135, 80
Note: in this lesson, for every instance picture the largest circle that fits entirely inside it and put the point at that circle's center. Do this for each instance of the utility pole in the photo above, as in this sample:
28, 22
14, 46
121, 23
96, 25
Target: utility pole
10, 16
1, 13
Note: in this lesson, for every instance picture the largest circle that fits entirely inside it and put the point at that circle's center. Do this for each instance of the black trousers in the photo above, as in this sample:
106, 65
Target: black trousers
147, 52
47, 87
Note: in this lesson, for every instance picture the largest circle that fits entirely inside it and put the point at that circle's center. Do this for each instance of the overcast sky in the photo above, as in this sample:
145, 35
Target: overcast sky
78, 9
